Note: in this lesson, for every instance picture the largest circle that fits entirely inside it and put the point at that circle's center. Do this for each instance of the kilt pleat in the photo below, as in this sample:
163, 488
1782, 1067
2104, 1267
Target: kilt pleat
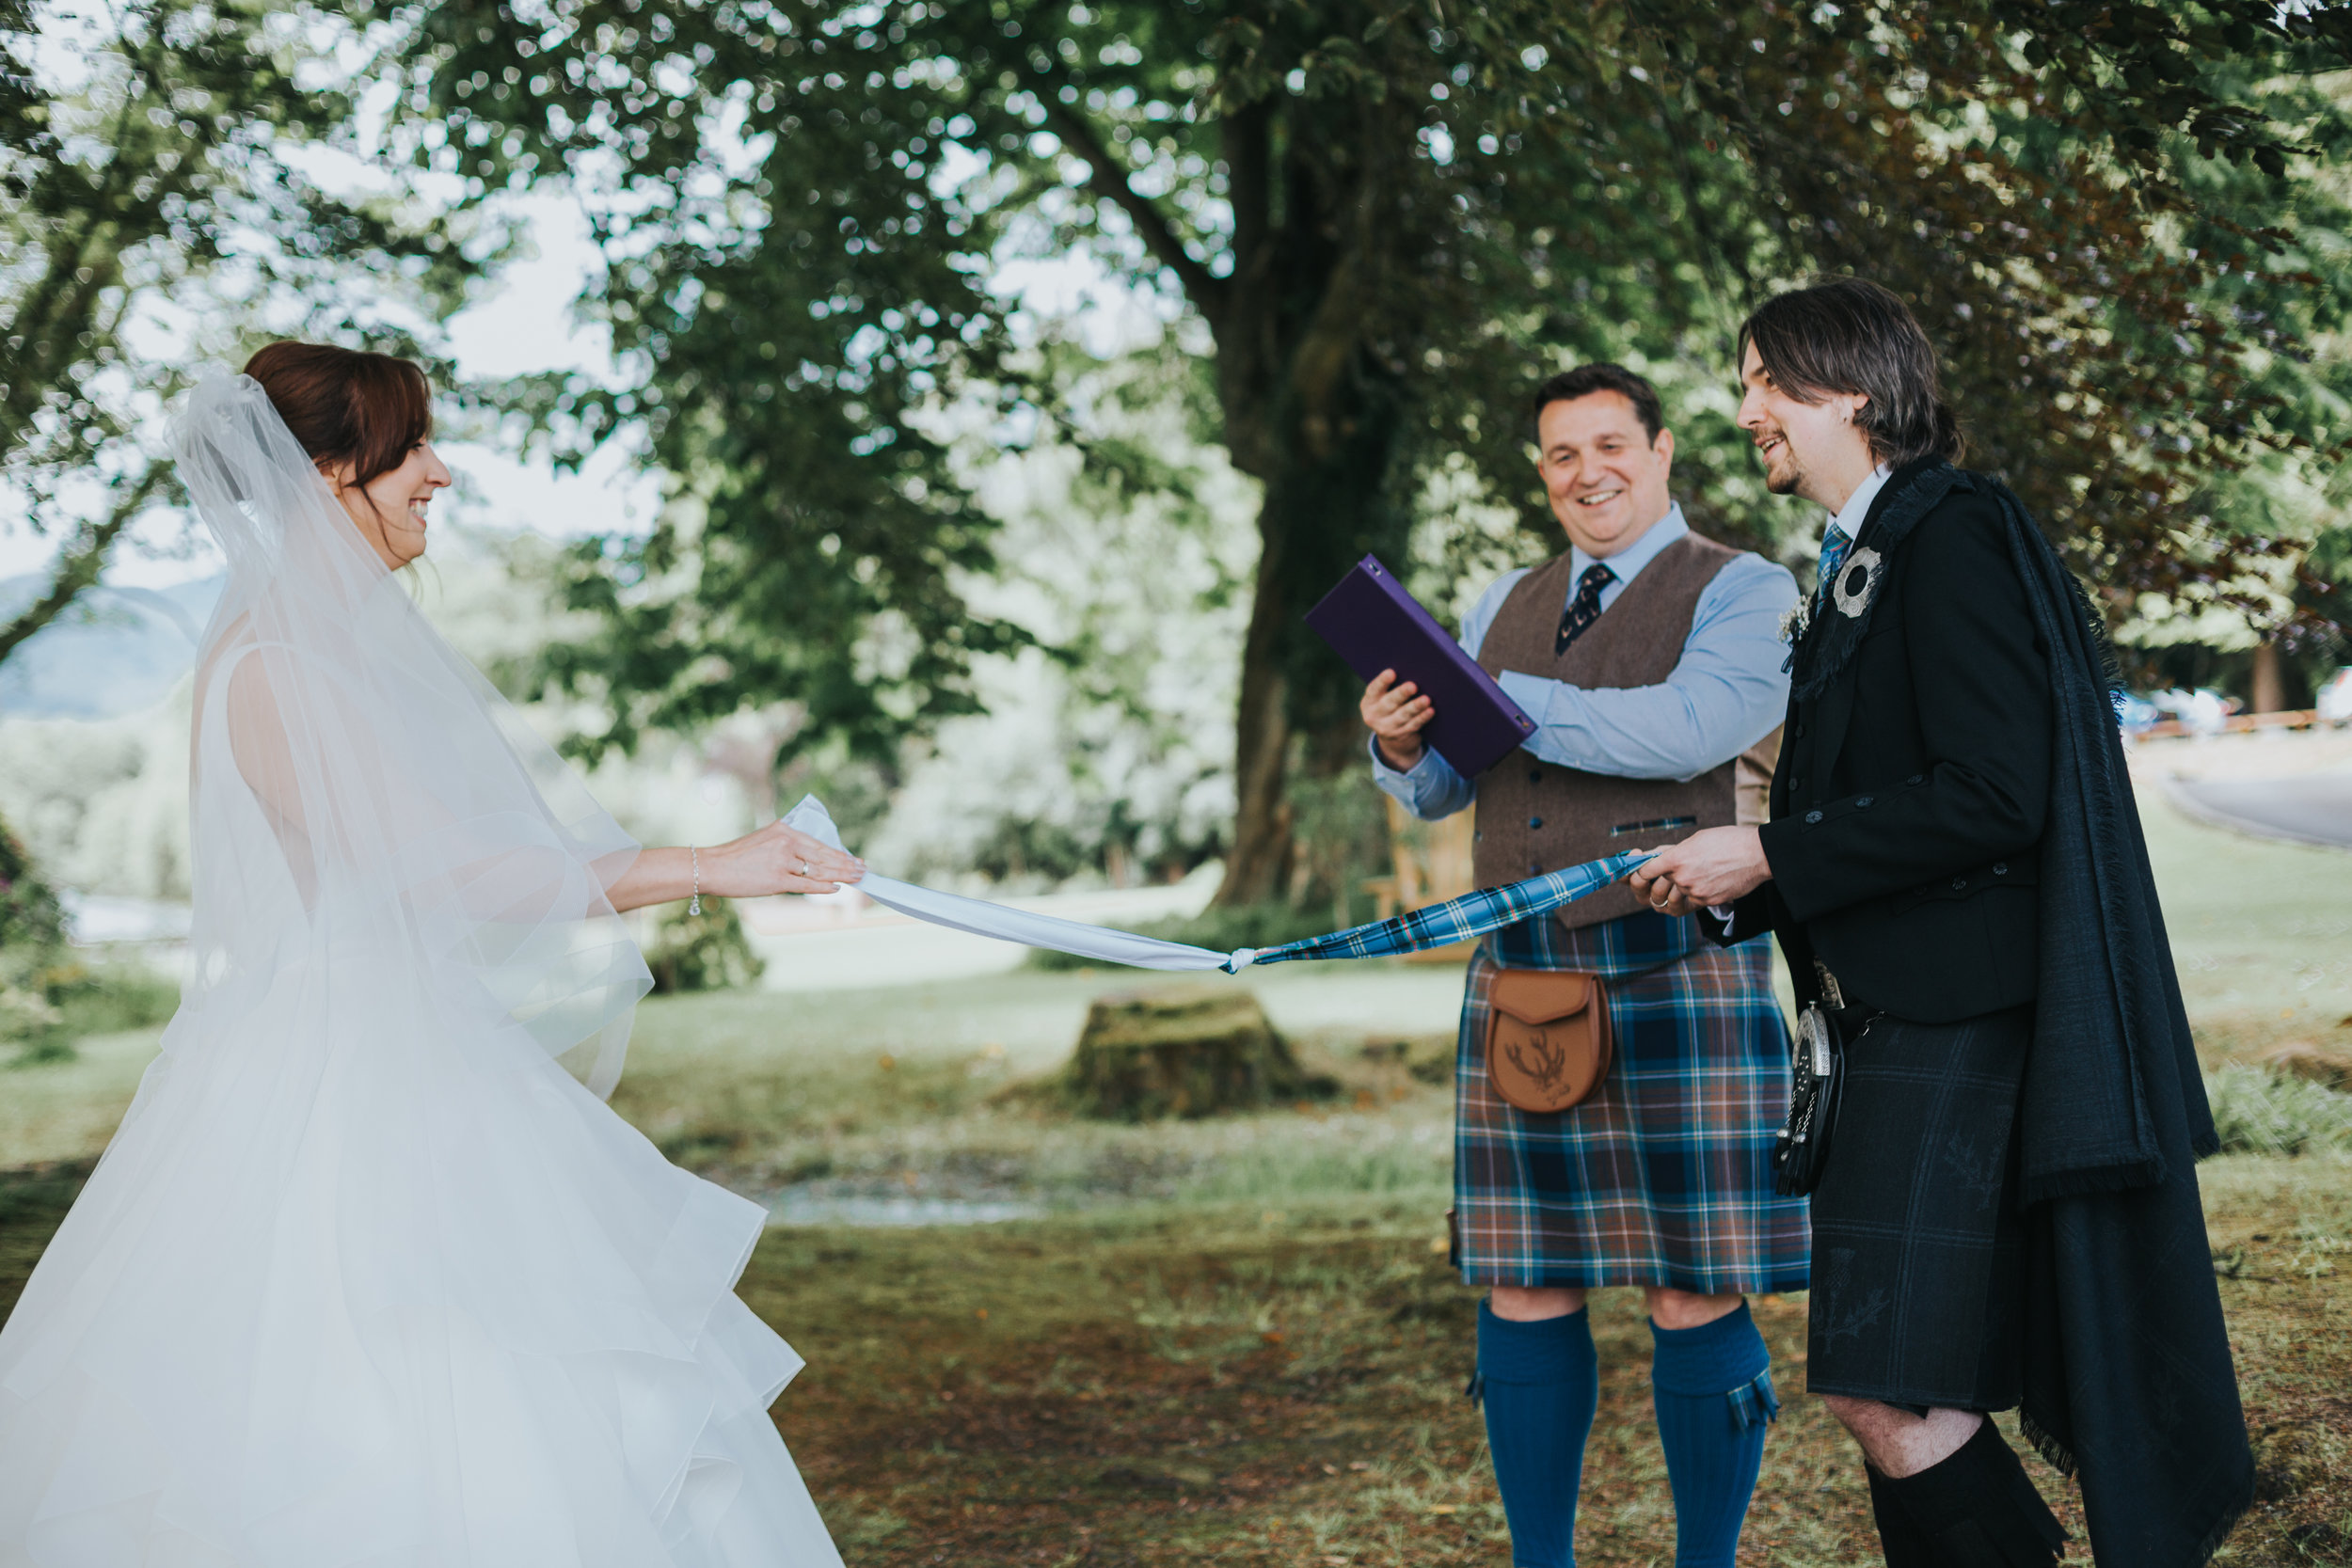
1663, 1175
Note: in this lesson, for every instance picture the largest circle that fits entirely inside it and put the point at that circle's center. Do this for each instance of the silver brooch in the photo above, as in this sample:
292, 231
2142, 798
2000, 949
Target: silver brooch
1856, 576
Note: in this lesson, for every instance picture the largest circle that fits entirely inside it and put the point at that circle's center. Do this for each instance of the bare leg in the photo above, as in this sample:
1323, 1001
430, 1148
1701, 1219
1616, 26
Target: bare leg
1895, 1442
1524, 1303
1670, 1309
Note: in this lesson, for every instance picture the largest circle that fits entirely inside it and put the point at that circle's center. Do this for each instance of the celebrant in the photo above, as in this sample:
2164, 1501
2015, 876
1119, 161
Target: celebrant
1618, 1079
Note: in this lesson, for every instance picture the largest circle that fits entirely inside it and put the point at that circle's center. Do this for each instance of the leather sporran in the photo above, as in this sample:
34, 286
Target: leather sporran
1548, 1042
1816, 1073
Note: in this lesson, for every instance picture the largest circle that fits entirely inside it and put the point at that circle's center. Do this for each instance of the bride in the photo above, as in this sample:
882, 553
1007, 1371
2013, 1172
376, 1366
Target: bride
369, 1274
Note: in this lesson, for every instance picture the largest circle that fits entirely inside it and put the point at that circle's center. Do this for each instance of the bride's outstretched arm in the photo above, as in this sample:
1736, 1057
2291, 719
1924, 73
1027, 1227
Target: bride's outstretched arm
773, 859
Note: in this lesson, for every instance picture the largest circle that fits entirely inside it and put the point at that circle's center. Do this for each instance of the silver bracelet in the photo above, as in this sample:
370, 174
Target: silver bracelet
694, 857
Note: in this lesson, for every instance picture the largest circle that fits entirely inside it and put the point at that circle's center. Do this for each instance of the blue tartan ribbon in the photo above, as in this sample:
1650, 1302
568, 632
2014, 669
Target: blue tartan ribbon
1474, 914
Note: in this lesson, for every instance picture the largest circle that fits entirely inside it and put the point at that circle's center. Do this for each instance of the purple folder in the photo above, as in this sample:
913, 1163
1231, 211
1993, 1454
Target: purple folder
1375, 625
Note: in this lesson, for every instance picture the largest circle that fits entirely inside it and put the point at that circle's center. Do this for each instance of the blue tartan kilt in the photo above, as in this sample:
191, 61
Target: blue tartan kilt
1663, 1175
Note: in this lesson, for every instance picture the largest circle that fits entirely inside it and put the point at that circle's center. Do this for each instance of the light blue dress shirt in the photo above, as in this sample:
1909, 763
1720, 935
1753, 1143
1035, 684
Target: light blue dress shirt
1723, 695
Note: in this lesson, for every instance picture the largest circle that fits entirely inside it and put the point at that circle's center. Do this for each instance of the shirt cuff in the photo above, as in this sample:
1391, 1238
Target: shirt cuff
1380, 769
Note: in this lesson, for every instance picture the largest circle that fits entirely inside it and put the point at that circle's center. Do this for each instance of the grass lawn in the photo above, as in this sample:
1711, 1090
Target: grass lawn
1237, 1341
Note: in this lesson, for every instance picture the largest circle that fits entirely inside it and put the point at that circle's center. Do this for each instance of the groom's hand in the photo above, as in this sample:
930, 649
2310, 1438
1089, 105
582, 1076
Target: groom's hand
1396, 713
1715, 867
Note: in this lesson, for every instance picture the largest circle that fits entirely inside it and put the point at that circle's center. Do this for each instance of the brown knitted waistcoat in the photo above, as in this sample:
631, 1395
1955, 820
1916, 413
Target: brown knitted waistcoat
1533, 817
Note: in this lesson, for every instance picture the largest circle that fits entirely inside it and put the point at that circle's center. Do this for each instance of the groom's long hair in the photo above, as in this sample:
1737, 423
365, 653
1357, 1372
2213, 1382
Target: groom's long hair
1847, 334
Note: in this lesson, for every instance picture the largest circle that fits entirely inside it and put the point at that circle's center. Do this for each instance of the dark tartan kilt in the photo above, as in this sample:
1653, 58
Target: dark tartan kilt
1918, 1245
1663, 1175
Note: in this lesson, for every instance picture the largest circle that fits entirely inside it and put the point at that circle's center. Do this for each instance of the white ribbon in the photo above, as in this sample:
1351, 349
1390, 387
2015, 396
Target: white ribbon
982, 918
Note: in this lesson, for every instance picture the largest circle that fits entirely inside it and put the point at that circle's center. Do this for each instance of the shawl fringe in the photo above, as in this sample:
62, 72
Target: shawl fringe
2047, 1444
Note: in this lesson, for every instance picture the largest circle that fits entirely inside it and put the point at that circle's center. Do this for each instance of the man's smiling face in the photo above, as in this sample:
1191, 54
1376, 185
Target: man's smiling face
1808, 448
1606, 478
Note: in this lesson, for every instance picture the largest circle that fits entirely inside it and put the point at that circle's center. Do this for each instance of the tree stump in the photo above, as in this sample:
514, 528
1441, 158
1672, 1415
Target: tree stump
1180, 1052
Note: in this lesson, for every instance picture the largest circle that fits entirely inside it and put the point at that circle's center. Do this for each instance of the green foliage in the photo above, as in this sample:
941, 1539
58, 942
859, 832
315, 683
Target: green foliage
1389, 217
107, 998
30, 918
31, 1024
702, 952
1340, 822
160, 176
32, 931
2258, 1112
49, 1000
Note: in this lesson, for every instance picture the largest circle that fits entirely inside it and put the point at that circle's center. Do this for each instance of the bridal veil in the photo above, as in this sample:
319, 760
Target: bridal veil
369, 1275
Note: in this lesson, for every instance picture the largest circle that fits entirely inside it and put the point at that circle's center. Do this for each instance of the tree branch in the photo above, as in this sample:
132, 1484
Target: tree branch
81, 564
1109, 177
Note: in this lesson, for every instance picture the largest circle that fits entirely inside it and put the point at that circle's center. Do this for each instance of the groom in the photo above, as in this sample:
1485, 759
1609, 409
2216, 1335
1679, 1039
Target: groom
1650, 659
2008, 1215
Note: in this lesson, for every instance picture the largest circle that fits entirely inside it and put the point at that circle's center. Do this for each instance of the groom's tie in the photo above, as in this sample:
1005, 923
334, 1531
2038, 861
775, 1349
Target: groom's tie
1834, 543
1584, 607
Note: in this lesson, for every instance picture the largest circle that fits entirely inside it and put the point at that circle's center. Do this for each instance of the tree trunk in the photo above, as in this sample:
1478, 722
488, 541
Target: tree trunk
2271, 694
1311, 409
1259, 865
1318, 517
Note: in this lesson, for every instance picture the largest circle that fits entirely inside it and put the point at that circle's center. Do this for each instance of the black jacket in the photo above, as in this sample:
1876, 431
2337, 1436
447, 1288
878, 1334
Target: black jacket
1914, 783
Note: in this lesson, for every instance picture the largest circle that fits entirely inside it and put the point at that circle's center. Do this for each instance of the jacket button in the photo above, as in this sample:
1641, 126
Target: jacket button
1960, 884
1799, 729
1535, 775
1534, 821
2000, 868
1812, 816
1866, 800
1533, 869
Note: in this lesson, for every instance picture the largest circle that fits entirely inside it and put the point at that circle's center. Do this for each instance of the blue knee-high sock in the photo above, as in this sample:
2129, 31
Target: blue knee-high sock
1542, 1383
1713, 1389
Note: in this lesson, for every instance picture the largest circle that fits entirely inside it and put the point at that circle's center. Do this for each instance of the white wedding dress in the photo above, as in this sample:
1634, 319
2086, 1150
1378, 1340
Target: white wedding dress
370, 1273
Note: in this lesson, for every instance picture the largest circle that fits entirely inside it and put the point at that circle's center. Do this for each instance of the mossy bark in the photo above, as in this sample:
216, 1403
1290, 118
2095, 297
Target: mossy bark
1181, 1052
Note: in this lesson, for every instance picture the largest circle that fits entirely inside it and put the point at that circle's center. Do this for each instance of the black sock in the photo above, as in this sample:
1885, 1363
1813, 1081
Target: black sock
1901, 1541
1978, 1507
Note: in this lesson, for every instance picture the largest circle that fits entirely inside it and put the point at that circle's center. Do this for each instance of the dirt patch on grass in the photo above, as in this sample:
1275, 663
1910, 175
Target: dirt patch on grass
1178, 1396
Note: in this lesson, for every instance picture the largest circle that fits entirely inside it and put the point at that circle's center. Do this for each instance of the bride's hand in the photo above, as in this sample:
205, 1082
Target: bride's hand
777, 859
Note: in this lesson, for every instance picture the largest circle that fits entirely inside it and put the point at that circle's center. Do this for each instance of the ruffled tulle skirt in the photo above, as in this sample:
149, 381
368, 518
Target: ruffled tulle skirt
360, 1282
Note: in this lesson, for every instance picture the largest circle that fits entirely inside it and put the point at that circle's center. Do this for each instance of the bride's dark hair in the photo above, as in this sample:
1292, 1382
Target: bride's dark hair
346, 405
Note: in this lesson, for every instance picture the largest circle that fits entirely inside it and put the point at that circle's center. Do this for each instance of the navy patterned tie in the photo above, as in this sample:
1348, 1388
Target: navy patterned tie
1834, 543
1584, 606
